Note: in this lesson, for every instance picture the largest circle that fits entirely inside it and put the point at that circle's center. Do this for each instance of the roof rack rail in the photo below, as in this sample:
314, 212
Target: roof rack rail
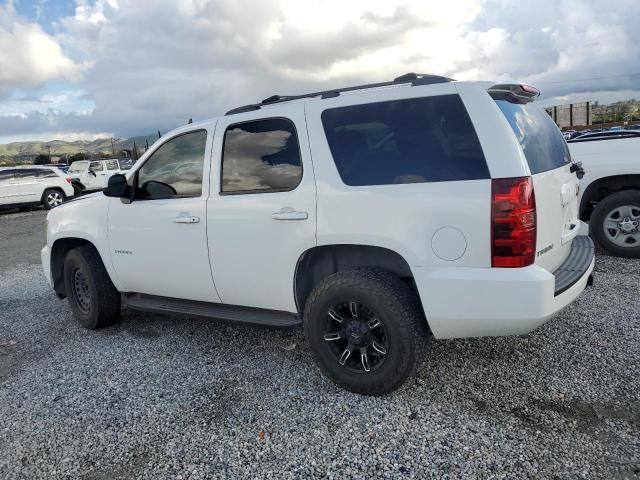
412, 78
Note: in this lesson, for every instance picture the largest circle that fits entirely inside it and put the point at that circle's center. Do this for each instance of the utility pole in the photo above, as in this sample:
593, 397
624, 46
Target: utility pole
113, 152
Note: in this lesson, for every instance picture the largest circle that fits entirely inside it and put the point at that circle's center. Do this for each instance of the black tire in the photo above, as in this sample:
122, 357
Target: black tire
52, 197
378, 294
93, 299
631, 242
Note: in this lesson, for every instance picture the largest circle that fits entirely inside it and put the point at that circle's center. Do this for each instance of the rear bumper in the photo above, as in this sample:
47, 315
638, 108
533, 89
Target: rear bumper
478, 302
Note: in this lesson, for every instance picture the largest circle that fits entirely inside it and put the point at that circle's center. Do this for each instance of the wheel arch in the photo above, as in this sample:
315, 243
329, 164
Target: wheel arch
317, 263
54, 187
59, 250
602, 188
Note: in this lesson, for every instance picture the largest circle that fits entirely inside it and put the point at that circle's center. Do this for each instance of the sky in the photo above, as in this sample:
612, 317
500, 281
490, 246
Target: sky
84, 69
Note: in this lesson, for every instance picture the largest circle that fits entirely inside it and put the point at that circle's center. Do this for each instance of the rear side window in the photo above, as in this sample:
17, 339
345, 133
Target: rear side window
6, 175
261, 156
27, 173
416, 140
540, 139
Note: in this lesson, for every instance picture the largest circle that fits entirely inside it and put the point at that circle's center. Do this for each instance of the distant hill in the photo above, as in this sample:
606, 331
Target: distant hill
17, 151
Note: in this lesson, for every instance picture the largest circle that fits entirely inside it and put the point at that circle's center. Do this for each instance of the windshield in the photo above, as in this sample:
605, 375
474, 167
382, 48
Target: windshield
540, 139
77, 167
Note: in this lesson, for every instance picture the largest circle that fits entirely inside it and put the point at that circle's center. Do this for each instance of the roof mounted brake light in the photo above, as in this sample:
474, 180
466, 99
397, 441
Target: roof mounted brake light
530, 90
514, 92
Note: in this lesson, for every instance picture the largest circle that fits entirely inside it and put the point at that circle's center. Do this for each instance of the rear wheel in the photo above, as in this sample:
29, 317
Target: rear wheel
615, 223
363, 328
52, 198
93, 299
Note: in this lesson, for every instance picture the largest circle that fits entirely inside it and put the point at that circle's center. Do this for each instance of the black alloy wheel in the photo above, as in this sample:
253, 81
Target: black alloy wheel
357, 337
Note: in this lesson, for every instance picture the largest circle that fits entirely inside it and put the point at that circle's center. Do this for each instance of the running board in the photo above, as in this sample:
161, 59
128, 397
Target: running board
219, 311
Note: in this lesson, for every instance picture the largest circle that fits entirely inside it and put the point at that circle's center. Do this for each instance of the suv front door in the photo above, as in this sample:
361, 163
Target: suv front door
158, 242
96, 176
261, 212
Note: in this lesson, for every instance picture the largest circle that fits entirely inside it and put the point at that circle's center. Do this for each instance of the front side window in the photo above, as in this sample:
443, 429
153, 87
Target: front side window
175, 169
416, 140
261, 156
96, 166
112, 164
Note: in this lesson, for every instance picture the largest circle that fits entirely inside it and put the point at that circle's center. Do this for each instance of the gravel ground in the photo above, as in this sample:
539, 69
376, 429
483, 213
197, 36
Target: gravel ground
22, 236
171, 397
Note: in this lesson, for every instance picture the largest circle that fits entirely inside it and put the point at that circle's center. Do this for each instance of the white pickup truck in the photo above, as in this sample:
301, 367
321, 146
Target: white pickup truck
610, 188
93, 175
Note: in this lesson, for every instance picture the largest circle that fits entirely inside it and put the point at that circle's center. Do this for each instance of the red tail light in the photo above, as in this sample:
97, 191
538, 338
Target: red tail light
513, 222
68, 179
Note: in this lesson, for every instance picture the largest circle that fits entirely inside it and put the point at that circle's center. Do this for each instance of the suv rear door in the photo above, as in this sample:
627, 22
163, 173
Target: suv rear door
261, 212
8, 187
30, 186
556, 187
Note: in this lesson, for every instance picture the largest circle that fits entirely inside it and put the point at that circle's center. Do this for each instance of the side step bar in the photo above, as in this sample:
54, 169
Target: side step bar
231, 313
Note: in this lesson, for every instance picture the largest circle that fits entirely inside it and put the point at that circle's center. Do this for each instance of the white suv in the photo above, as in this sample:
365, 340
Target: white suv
369, 215
28, 185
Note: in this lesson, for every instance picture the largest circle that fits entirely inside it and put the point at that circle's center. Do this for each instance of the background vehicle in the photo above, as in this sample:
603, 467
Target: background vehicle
31, 185
433, 204
60, 166
605, 134
610, 188
92, 175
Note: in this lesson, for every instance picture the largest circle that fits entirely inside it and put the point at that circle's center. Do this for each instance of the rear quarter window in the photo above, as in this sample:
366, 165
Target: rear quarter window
541, 141
416, 140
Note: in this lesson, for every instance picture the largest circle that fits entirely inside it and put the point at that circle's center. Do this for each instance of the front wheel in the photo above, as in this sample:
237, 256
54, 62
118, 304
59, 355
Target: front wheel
615, 223
93, 299
52, 198
363, 328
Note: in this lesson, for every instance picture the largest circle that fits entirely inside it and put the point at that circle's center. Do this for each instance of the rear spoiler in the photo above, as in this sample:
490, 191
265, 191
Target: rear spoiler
514, 92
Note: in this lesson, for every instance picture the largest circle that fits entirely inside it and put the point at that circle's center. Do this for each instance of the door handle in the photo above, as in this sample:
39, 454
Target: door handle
186, 219
289, 213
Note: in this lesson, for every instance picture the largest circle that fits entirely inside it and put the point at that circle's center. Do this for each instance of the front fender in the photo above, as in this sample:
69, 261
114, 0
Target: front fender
84, 219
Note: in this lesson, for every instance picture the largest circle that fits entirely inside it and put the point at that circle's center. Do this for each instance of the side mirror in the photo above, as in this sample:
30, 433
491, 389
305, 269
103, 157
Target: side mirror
92, 172
117, 187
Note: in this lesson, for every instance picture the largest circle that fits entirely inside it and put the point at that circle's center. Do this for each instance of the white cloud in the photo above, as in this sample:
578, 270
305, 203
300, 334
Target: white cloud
146, 65
29, 56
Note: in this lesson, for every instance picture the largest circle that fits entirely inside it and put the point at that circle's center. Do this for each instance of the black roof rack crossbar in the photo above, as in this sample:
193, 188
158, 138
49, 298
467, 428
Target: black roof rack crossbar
412, 78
